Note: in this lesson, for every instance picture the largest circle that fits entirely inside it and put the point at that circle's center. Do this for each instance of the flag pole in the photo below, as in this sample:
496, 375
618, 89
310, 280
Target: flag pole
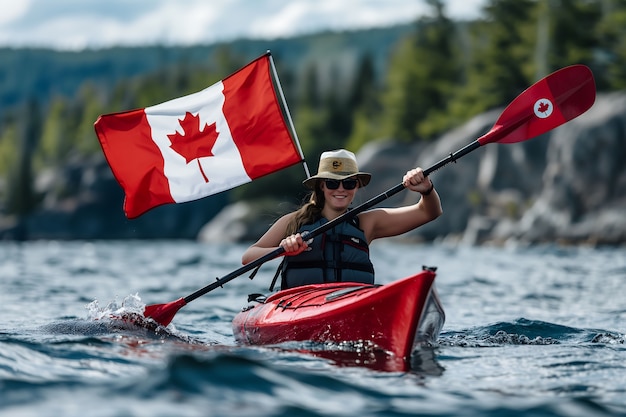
291, 125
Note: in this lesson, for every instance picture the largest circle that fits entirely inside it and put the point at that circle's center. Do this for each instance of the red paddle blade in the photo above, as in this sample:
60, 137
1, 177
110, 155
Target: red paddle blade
164, 313
550, 102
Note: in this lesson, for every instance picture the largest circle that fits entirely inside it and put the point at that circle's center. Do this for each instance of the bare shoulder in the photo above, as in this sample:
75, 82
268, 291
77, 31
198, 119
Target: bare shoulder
368, 221
277, 230
285, 219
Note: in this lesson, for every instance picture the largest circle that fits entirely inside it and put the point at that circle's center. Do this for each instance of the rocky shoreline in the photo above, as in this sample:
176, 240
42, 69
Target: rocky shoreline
567, 186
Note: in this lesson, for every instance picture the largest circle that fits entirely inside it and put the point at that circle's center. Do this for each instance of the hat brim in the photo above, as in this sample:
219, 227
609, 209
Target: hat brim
363, 177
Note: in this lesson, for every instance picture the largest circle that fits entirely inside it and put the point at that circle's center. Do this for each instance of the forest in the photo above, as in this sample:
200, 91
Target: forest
408, 83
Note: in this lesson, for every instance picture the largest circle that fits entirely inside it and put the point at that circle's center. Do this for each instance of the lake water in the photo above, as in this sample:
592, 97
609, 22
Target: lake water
536, 331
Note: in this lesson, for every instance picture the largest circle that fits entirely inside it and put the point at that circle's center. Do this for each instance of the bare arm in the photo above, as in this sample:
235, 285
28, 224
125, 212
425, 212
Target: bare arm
386, 222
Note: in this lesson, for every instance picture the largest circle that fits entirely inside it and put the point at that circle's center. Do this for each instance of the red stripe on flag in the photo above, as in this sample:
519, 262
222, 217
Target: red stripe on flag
256, 122
135, 160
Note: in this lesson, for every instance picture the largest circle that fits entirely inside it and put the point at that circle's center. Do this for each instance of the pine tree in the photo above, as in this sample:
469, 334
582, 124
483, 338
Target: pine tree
420, 78
611, 53
365, 104
21, 199
502, 62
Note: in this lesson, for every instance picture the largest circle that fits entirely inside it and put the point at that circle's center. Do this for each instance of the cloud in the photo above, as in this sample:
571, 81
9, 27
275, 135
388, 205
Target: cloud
77, 24
13, 11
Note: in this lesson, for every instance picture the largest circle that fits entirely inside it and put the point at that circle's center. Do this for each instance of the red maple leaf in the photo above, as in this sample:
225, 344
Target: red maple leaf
543, 107
194, 143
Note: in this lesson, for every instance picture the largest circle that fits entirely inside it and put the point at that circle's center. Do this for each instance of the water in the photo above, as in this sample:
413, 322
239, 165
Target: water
529, 332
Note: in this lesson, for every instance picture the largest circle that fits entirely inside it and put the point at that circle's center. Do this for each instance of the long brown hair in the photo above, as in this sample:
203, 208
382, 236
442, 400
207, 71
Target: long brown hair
308, 212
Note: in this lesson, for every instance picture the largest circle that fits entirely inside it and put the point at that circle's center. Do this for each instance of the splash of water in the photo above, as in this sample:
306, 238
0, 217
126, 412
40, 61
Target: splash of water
130, 305
128, 315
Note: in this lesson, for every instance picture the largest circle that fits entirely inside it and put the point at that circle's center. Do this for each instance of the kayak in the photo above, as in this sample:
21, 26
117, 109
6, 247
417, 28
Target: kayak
395, 318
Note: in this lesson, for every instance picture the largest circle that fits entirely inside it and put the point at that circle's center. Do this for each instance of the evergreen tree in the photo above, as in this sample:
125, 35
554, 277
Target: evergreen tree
611, 53
89, 107
365, 104
338, 108
55, 143
314, 117
364, 88
8, 150
502, 63
421, 77
310, 95
573, 32
20, 198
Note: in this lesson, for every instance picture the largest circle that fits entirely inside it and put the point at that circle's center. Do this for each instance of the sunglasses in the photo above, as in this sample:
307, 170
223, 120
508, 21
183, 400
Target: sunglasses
348, 184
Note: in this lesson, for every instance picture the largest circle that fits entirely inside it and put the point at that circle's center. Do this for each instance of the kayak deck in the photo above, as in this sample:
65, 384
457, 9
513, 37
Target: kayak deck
395, 318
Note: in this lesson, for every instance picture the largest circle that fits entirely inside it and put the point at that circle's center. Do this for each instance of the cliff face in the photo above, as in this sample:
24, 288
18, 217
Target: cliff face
583, 198
567, 186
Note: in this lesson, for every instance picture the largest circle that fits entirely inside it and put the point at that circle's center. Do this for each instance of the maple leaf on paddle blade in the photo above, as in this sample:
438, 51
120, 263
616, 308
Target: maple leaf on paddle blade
194, 143
543, 107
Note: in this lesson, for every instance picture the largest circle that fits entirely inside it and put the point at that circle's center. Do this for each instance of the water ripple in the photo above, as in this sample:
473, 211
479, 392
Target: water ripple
533, 331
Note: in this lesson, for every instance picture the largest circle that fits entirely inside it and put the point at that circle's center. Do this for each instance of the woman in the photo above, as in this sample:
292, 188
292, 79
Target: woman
341, 254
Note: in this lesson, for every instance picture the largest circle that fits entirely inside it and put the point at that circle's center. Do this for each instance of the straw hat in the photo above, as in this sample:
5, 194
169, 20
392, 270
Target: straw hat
338, 165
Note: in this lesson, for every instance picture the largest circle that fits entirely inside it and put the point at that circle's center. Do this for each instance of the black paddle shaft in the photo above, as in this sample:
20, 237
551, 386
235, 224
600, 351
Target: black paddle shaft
327, 226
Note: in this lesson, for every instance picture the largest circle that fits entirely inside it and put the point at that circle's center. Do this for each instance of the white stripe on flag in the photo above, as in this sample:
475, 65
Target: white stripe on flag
224, 170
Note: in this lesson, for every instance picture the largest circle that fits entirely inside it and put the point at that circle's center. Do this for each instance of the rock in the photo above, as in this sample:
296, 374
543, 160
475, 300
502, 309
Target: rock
82, 200
568, 186
478, 230
584, 182
229, 225
242, 221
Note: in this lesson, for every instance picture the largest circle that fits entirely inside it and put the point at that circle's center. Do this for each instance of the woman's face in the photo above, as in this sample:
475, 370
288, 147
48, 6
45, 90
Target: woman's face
340, 198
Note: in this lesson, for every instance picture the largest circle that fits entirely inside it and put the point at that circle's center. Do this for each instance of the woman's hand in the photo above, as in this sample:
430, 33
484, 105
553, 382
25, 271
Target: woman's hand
415, 180
294, 245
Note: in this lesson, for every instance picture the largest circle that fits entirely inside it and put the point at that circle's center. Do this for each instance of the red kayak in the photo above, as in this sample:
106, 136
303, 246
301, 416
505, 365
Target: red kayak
395, 318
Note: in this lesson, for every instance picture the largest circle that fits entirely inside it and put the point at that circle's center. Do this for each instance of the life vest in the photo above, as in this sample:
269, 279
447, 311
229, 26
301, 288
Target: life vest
340, 254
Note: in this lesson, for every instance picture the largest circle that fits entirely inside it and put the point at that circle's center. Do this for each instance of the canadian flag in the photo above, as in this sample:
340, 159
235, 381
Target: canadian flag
201, 144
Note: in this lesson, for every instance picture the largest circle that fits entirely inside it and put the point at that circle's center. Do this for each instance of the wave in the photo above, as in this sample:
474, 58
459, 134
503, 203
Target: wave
527, 332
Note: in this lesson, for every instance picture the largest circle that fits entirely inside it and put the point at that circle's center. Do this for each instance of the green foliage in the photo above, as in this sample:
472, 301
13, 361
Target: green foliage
85, 142
310, 125
55, 143
345, 89
365, 128
502, 50
365, 102
20, 196
611, 51
422, 77
8, 150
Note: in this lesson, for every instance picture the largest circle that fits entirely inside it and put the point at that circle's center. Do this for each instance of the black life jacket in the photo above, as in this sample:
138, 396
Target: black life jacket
340, 254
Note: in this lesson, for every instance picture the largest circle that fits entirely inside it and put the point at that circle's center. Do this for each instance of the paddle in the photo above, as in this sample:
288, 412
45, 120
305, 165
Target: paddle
550, 102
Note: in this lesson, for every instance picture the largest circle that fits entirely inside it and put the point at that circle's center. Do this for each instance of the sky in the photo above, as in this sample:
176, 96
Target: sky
79, 24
